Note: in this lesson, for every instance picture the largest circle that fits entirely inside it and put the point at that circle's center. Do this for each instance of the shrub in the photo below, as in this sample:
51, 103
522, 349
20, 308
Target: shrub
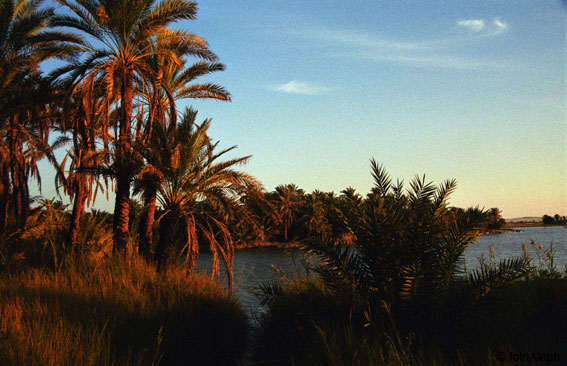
400, 293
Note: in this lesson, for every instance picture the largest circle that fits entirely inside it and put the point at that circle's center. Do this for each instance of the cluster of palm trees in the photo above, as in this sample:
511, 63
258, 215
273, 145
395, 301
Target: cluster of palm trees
112, 101
296, 215
405, 267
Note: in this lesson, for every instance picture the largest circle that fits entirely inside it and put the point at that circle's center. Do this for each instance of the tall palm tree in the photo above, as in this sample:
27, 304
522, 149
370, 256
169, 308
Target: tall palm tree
288, 198
24, 134
315, 214
125, 35
83, 117
25, 41
198, 191
174, 83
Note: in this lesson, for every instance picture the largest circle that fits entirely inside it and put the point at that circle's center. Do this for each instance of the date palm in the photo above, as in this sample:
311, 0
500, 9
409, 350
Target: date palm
408, 249
24, 136
173, 84
198, 191
315, 214
125, 35
25, 41
288, 200
83, 117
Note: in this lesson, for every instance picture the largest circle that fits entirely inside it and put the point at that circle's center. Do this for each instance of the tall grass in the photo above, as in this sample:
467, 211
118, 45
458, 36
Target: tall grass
118, 311
308, 324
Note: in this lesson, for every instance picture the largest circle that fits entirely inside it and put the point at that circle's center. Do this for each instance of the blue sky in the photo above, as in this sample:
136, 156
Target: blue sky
471, 90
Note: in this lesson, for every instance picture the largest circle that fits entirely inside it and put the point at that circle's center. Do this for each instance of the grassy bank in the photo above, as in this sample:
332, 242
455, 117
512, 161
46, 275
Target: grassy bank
118, 312
308, 324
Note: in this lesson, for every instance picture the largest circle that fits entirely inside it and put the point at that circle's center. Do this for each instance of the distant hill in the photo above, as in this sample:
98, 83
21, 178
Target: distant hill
525, 219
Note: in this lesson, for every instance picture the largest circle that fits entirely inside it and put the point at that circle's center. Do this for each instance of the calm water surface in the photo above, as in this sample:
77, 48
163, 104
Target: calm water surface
510, 245
253, 267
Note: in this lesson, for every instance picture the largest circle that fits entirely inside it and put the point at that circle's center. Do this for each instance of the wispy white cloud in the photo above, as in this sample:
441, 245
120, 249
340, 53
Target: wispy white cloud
500, 25
482, 27
300, 87
436, 61
476, 25
439, 53
361, 39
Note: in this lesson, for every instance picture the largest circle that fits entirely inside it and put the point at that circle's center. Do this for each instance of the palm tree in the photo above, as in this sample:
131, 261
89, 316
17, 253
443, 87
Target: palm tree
174, 83
494, 219
83, 116
350, 203
197, 191
288, 200
24, 135
409, 247
126, 34
25, 41
315, 214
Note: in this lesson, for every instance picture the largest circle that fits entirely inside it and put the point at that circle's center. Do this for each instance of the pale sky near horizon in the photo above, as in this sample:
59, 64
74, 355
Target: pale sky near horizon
471, 90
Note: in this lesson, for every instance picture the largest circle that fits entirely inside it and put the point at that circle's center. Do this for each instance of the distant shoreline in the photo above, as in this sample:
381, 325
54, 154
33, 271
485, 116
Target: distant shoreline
530, 224
502, 231
524, 224
508, 228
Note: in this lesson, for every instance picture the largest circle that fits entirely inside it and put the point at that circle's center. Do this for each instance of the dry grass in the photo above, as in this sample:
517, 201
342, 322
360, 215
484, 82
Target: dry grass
117, 312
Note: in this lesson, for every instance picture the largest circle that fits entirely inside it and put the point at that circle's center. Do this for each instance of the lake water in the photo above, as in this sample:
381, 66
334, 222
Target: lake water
253, 267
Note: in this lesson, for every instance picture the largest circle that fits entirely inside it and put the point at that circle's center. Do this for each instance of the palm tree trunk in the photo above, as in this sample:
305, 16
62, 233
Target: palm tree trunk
78, 210
121, 212
17, 175
123, 166
20, 194
165, 242
147, 221
4, 197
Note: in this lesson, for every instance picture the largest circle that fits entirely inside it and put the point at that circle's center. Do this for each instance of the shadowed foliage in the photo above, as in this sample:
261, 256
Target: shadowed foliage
25, 118
403, 275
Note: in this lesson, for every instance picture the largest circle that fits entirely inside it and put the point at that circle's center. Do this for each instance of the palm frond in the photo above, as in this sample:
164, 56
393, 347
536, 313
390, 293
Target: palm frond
487, 278
382, 180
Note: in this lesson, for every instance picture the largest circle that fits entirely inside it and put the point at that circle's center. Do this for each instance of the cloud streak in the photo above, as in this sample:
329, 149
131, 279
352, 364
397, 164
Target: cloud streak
476, 25
436, 61
361, 39
432, 53
300, 87
484, 28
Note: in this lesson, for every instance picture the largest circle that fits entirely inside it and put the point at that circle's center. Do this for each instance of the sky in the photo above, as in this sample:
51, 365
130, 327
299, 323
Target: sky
470, 90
